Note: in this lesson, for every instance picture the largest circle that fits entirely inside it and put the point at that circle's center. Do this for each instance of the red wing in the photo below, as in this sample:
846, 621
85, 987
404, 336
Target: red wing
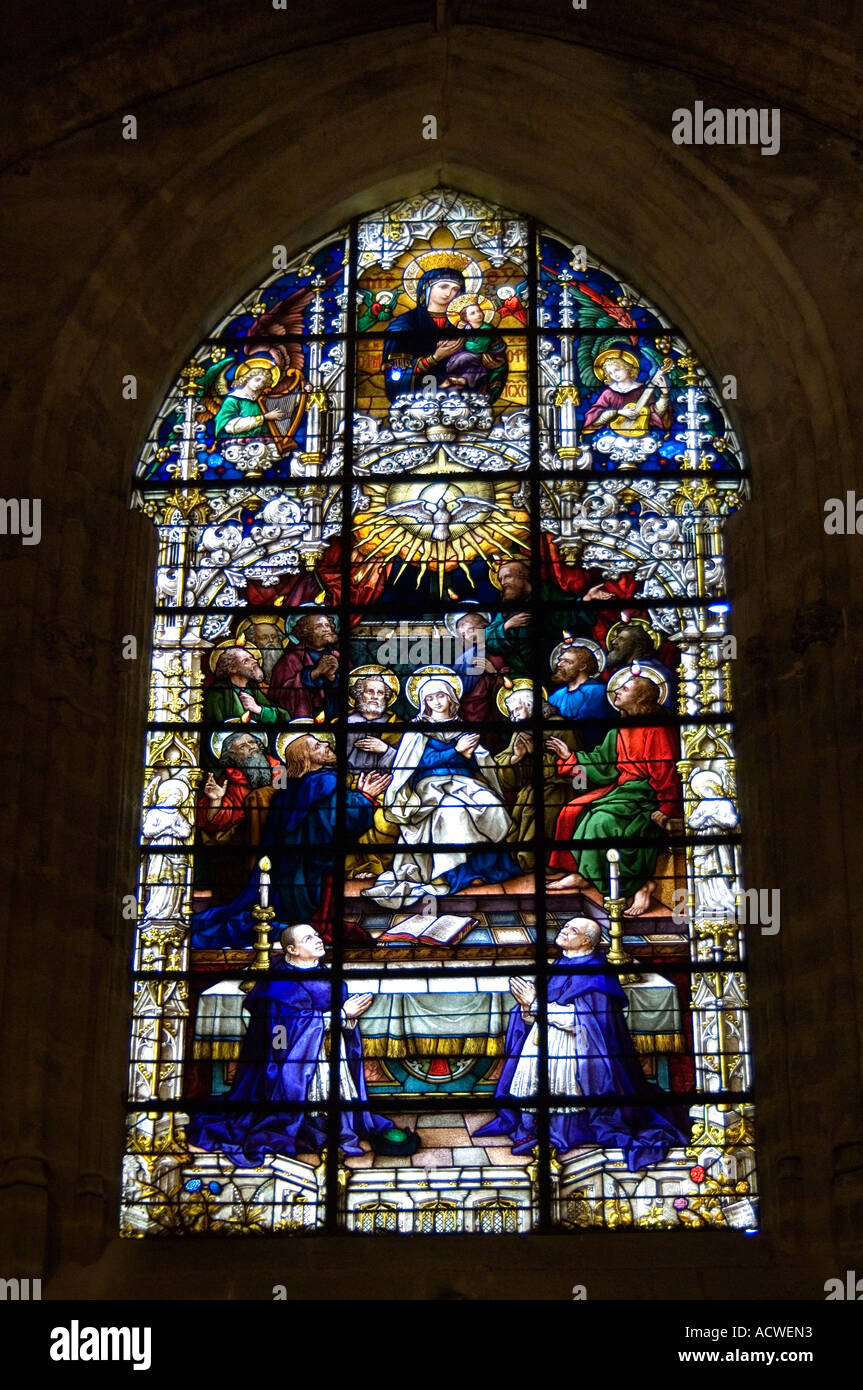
284, 317
621, 316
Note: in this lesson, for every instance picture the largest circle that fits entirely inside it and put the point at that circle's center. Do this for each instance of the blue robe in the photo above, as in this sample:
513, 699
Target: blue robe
266, 1073
608, 1067
588, 708
298, 837
415, 335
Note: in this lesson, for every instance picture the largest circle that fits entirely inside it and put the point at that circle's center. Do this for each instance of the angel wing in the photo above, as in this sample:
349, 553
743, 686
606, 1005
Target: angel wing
213, 388
469, 508
673, 374
601, 312
285, 320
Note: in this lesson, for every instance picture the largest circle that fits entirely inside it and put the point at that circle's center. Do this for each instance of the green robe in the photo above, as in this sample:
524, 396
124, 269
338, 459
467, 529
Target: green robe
233, 408
623, 813
222, 702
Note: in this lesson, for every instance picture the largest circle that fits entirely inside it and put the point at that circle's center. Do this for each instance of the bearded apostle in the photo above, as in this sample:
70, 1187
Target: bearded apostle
235, 692
305, 679
516, 765
582, 698
233, 805
284, 1060
299, 835
633, 794
590, 1054
371, 690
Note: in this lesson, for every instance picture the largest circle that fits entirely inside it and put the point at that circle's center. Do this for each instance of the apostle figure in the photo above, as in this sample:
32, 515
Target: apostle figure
480, 672
590, 1054
235, 691
444, 791
304, 680
635, 639
582, 699
371, 690
268, 636
233, 805
299, 835
633, 795
515, 770
418, 342
284, 1060
508, 634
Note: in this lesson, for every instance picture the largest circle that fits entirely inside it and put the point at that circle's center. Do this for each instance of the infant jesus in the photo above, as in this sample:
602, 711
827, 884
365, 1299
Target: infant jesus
479, 364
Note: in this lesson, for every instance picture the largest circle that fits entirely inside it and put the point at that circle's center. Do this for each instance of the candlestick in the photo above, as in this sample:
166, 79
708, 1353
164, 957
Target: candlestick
614, 905
264, 883
613, 858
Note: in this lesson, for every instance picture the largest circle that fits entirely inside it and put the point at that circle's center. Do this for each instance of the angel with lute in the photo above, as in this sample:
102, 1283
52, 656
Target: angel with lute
625, 406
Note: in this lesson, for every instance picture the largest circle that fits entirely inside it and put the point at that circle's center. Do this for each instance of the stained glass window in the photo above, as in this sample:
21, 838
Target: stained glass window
440, 915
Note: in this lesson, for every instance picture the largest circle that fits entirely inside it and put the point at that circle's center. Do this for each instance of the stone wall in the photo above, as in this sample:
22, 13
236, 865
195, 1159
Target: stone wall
258, 127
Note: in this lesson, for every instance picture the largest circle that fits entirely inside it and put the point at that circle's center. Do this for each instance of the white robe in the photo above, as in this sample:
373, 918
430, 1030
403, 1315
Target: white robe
443, 808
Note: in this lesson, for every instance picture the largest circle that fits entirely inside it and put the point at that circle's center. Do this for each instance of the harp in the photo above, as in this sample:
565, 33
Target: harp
289, 399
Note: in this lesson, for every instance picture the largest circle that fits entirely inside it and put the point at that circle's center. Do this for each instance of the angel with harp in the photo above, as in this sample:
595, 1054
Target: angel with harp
267, 394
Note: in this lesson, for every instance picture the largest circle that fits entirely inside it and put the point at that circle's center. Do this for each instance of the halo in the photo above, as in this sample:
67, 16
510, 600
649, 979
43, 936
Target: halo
600, 360
250, 365
495, 563
634, 622
520, 683
452, 620
308, 727
710, 780
217, 740
424, 673
219, 647
249, 624
649, 673
390, 681
453, 310
578, 642
439, 260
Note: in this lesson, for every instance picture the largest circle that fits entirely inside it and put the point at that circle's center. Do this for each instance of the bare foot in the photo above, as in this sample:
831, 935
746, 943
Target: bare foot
560, 885
193, 1149
641, 902
369, 875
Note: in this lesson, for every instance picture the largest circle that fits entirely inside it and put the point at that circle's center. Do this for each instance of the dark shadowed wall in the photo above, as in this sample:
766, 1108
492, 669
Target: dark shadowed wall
257, 127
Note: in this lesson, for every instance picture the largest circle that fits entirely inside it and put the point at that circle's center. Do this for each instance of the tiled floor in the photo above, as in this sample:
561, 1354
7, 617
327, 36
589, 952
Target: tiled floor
446, 1143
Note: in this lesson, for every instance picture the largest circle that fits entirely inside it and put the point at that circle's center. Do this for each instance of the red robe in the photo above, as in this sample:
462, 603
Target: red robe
286, 688
231, 811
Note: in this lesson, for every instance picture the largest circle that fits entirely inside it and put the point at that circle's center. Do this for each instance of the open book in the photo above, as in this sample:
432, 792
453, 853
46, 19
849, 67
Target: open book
433, 931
